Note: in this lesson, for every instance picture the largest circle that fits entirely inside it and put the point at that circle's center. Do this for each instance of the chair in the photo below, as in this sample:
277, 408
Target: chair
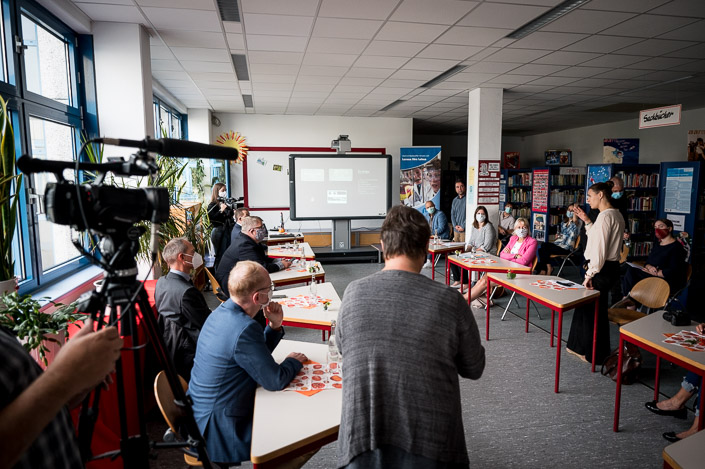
172, 414
499, 246
533, 267
624, 254
650, 292
215, 286
567, 257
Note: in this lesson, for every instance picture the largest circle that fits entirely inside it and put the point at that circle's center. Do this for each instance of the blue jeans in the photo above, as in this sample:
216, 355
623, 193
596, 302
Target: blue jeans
691, 382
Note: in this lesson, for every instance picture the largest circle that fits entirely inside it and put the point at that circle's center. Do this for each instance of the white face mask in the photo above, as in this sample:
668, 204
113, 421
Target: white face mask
223, 193
521, 232
480, 217
196, 260
270, 293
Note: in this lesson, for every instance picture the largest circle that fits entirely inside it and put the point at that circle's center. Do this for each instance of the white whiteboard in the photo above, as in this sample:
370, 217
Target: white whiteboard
266, 187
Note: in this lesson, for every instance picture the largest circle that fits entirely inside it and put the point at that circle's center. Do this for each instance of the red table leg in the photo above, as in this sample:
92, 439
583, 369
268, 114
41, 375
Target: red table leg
701, 421
447, 270
553, 313
433, 266
618, 396
527, 314
656, 383
558, 350
487, 334
594, 334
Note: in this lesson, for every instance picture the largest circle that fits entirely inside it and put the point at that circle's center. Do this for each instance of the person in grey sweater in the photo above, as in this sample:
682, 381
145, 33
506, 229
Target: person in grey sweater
483, 237
405, 340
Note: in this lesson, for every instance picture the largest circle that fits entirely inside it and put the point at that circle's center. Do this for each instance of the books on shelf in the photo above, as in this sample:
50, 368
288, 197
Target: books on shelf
524, 212
633, 180
644, 204
563, 198
640, 248
520, 179
568, 180
520, 195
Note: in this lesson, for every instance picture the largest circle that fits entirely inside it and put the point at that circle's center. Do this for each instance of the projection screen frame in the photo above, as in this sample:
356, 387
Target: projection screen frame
292, 184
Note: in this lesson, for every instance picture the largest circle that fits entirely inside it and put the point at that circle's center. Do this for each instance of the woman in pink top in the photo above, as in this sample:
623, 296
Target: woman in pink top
521, 249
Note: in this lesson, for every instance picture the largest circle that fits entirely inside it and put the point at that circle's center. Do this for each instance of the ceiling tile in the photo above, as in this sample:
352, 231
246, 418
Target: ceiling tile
396, 48
414, 75
537, 69
217, 67
324, 71
430, 64
213, 76
215, 85
566, 58
613, 60
380, 61
395, 83
280, 25
192, 4
314, 79
352, 89
410, 32
659, 63
548, 41
593, 82
621, 74
236, 41
697, 66
274, 69
358, 71
654, 47
265, 78
512, 79
665, 75
492, 67
472, 36
472, 77
496, 15
353, 81
183, 19
636, 6
201, 53
693, 52
687, 8
691, 32
361, 9
581, 72
334, 60
649, 26
521, 56
276, 43
177, 38
437, 12
267, 57
115, 13
444, 51
160, 52
603, 44
336, 45
232, 27
553, 81
162, 65
280, 7
346, 28
587, 21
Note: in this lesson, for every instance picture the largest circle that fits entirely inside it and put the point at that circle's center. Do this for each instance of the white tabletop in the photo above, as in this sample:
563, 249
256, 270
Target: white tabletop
297, 271
286, 420
289, 237
315, 315
291, 251
500, 265
650, 329
687, 453
561, 299
446, 246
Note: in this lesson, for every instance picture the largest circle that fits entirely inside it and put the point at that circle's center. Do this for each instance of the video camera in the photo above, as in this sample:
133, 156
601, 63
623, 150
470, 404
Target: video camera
229, 201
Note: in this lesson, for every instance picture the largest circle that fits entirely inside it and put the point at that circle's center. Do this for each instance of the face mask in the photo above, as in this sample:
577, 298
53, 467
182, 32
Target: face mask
196, 260
508, 209
260, 234
617, 195
660, 233
270, 293
223, 193
431, 210
569, 214
521, 232
480, 218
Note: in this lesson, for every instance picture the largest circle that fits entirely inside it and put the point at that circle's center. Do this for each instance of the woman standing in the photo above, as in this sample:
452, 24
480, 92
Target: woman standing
602, 252
483, 237
220, 216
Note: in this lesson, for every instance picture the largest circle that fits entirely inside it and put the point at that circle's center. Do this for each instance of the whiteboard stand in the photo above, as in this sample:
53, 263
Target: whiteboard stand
341, 235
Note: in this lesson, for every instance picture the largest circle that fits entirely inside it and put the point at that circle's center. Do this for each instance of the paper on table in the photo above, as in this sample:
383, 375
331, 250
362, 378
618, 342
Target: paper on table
315, 377
690, 340
554, 285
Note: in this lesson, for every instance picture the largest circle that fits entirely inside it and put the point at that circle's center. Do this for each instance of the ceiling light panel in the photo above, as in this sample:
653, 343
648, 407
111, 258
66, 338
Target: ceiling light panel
281, 25
280, 7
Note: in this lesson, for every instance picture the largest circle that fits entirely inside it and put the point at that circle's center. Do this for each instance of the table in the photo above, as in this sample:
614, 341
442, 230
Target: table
289, 251
556, 300
685, 454
442, 247
315, 317
287, 424
275, 239
471, 263
297, 273
647, 333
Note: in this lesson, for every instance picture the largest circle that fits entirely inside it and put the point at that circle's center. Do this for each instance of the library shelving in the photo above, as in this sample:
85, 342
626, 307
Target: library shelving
515, 184
554, 189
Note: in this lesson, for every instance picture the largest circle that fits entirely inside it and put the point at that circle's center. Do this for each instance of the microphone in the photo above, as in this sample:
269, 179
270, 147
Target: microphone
175, 147
29, 165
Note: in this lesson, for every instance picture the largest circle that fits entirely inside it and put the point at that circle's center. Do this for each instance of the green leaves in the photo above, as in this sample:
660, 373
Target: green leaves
8, 193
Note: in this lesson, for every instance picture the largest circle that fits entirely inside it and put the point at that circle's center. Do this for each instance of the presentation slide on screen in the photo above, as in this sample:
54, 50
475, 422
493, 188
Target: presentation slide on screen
340, 186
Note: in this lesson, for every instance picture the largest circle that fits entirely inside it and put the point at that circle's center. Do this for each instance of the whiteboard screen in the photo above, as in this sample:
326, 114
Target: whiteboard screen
347, 186
268, 178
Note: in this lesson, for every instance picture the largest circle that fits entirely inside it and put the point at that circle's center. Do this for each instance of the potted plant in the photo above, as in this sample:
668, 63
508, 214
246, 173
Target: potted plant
10, 184
36, 329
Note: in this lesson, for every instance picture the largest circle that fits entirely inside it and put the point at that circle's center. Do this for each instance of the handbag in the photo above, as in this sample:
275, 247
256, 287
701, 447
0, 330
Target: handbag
631, 363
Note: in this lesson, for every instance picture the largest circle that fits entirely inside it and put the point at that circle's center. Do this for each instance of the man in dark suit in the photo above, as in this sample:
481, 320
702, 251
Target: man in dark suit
247, 247
234, 356
182, 308
240, 215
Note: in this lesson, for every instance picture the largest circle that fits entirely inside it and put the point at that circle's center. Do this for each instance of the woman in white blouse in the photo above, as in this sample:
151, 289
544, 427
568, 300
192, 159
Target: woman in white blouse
604, 243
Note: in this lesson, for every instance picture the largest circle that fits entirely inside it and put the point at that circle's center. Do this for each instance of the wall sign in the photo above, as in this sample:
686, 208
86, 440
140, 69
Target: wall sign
621, 151
539, 195
488, 182
660, 116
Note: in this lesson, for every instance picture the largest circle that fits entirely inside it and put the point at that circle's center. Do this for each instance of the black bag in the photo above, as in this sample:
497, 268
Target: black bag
631, 363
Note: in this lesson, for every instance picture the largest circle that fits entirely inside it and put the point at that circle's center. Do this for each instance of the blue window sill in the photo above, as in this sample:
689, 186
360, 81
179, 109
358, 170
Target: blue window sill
70, 288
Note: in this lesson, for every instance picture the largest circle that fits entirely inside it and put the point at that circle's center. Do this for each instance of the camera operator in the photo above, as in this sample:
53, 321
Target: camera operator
221, 218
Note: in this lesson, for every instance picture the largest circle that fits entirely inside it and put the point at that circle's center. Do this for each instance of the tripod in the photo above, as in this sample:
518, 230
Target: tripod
121, 293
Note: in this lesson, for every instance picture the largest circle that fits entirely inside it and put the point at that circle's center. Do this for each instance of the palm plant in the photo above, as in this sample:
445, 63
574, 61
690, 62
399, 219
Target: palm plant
8, 197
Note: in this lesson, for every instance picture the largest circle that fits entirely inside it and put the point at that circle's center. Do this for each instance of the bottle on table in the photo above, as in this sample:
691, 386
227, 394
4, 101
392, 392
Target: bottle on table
333, 353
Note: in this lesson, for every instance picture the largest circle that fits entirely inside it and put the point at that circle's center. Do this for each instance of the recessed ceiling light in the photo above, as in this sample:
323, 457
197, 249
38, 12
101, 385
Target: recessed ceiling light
551, 15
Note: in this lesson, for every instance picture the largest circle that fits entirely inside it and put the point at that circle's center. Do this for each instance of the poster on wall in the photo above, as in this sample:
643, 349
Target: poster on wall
538, 226
696, 146
470, 193
420, 179
679, 184
598, 173
621, 151
539, 195
511, 160
558, 157
488, 182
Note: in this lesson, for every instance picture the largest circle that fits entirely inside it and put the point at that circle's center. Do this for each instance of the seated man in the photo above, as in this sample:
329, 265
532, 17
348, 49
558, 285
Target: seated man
506, 223
438, 222
240, 214
232, 358
181, 307
247, 247
401, 397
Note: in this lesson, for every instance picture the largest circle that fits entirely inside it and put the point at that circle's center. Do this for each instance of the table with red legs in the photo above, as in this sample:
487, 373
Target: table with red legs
648, 333
535, 288
438, 248
483, 262
298, 273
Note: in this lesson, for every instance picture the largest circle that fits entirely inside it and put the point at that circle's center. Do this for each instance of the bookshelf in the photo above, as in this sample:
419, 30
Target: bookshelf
567, 187
515, 184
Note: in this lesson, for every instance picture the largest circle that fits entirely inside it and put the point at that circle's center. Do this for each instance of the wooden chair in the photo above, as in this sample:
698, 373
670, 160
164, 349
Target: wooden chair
650, 292
624, 254
215, 286
173, 414
499, 246
567, 257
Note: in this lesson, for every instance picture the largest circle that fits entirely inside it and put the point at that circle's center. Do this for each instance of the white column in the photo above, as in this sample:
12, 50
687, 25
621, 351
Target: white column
484, 143
123, 82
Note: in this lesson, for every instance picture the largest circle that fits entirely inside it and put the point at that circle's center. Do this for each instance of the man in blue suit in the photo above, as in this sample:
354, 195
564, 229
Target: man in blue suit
240, 214
233, 356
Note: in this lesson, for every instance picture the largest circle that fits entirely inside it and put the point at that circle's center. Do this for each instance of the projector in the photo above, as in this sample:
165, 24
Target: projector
343, 144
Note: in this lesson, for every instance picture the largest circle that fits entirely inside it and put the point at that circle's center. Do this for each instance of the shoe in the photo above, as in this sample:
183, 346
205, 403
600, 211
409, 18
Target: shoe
427, 265
679, 414
455, 285
671, 436
582, 357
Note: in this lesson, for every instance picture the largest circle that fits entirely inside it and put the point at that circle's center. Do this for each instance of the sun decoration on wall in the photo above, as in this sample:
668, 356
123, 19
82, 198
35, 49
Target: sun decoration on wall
234, 140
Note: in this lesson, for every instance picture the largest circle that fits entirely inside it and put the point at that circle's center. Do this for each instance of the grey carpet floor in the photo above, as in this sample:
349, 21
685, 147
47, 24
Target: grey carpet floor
511, 415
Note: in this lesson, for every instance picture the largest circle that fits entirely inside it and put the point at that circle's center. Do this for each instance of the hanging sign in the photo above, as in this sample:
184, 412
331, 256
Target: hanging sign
660, 116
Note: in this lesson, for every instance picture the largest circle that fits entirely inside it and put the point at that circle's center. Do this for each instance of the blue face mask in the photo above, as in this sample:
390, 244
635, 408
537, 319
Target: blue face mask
617, 195
431, 210
508, 209
569, 214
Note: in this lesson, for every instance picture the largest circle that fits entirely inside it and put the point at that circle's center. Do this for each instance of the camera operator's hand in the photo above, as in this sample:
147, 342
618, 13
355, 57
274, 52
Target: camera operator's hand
223, 206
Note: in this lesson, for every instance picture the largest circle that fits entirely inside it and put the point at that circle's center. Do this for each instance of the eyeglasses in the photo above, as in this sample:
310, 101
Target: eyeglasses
270, 287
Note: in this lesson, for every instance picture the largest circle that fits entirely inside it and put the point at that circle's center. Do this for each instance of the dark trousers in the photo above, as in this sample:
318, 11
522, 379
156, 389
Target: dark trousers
545, 252
581, 329
220, 238
455, 270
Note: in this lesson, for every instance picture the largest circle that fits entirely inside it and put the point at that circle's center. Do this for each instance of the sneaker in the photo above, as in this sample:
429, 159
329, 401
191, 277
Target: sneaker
455, 285
427, 265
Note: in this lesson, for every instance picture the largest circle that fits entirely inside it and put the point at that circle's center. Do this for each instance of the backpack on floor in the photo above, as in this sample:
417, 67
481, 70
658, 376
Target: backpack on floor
631, 363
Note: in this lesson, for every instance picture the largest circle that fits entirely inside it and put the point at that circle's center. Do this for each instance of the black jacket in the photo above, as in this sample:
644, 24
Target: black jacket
243, 248
182, 312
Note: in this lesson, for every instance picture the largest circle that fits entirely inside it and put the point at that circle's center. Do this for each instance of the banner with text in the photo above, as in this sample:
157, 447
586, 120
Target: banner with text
420, 179
488, 182
660, 116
